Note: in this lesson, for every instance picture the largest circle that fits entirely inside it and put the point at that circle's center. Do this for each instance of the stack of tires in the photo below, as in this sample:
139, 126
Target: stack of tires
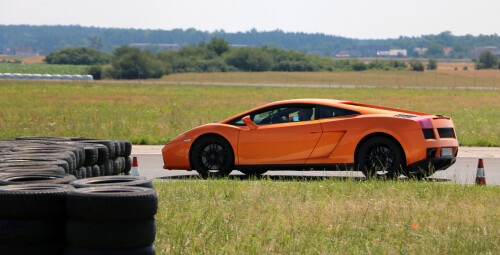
81, 157
102, 215
111, 215
32, 218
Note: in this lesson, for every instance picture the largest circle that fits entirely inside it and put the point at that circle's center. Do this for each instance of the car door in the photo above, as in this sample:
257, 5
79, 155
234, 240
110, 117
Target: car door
282, 137
335, 122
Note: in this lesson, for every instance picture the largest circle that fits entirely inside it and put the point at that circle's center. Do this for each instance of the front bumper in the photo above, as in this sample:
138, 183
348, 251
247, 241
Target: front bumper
431, 165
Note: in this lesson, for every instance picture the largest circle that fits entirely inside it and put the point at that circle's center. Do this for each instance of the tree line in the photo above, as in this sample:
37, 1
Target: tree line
45, 39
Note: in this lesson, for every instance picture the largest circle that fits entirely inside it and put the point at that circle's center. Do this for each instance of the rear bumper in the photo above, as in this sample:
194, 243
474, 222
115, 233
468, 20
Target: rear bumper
431, 164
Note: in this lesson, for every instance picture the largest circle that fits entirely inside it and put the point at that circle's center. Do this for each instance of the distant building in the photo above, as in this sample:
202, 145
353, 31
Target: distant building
392, 53
18, 50
23, 50
476, 52
163, 46
420, 51
237, 45
347, 54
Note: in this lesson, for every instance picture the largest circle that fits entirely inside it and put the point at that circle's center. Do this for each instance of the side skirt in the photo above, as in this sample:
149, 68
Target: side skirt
299, 167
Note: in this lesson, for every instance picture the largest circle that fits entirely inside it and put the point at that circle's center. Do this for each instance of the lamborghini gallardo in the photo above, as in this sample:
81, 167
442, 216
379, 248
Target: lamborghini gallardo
318, 134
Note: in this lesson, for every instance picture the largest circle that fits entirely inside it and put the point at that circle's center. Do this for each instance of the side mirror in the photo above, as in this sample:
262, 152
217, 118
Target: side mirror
249, 122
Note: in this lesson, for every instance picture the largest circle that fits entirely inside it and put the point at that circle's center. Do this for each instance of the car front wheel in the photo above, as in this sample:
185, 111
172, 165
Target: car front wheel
212, 156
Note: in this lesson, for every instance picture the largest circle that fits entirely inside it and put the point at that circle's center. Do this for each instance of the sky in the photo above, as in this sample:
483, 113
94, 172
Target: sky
364, 19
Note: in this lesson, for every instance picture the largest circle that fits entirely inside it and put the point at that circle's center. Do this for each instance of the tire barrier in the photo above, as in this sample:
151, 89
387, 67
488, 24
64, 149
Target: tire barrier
32, 218
107, 212
100, 213
108, 217
78, 156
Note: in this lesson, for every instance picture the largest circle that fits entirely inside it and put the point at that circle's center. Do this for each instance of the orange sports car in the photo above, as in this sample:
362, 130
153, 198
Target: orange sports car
320, 134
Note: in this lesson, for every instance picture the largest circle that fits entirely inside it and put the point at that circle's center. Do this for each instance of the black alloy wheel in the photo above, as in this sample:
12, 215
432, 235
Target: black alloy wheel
212, 156
380, 157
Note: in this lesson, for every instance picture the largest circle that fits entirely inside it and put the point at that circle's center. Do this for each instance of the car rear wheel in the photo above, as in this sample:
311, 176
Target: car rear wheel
212, 156
380, 157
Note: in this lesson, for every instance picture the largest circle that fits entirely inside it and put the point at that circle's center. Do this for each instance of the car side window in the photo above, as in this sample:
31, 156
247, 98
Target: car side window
279, 115
326, 112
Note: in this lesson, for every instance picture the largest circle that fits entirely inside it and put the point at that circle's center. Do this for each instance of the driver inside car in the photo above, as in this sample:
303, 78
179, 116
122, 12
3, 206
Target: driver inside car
305, 114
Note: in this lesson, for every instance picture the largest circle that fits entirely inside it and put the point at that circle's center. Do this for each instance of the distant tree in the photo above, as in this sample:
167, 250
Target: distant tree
487, 60
78, 56
416, 65
218, 45
432, 64
358, 66
249, 59
435, 51
132, 63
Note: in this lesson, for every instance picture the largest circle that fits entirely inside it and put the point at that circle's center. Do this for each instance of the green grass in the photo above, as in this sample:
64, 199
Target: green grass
155, 114
326, 217
441, 78
42, 68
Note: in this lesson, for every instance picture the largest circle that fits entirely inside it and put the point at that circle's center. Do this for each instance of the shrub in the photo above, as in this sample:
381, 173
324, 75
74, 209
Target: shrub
78, 56
416, 65
432, 64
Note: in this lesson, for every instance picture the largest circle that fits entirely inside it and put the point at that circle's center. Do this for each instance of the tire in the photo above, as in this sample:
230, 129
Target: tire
148, 250
254, 172
111, 234
80, 172
96, 171
31, 232
106, 168
42, 138
112, 203
30, 250
122, 147
34, 201
102, 152
381, 157
120, 180
128, 165
118, 152
35, 162
35, 178
39, 169
88, 172
212, 156
108, 143
69, 158
91, 155
117, 166
128, 149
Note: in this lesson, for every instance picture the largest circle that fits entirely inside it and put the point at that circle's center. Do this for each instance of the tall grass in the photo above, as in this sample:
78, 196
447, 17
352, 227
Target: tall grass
326, 217
444, 78
42, 68
155, 114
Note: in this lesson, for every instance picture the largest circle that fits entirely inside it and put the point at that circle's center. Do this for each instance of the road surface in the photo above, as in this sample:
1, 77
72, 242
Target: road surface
462, 172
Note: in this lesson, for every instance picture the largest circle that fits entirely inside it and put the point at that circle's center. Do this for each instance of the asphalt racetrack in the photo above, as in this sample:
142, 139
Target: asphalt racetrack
462, 172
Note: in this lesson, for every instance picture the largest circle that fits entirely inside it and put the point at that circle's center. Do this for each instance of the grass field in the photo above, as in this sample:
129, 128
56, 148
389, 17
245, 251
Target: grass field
446, 77
326, 217
155, 114
42, 68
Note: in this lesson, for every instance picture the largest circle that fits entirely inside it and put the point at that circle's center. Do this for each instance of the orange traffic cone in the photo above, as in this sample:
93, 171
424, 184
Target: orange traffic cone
480, 178
135, 167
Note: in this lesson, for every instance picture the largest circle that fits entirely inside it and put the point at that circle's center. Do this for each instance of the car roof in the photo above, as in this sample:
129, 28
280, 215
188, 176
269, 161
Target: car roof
362, 108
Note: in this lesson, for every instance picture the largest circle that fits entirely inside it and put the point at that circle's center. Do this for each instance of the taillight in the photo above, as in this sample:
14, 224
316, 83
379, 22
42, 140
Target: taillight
426, 125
